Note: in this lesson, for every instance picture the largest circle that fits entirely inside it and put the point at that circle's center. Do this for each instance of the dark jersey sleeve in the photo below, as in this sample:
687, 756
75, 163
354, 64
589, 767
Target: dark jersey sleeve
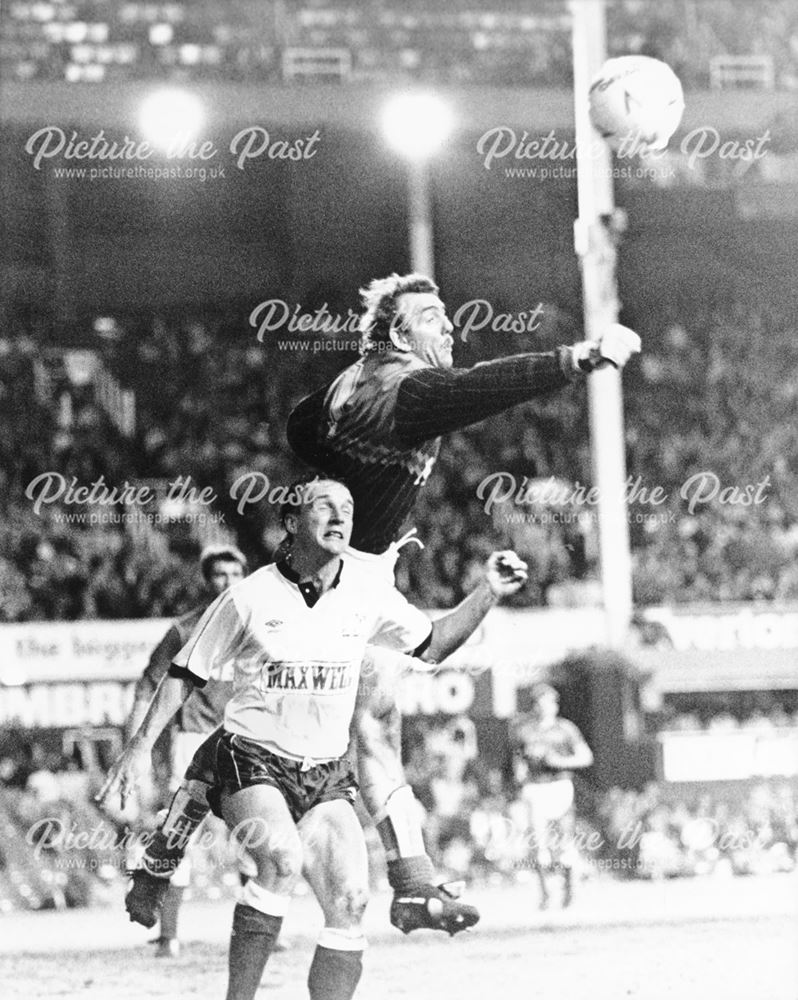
432, 401
160, 661
304, 435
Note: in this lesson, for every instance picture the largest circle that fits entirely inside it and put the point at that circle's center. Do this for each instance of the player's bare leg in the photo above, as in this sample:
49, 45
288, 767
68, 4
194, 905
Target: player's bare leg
566, 854
541, 854
168, 942
568, 886
540, 865
336, 868
418, 902
266, 830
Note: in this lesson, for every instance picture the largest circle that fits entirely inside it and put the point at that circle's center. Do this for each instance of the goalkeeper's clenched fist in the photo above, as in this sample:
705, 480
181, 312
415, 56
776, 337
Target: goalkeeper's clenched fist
614, 347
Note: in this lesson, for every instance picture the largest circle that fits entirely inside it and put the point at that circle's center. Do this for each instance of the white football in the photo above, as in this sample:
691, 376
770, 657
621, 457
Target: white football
638, 100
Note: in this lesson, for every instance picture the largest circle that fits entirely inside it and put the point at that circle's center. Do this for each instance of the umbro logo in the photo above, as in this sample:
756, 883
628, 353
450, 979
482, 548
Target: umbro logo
274, 623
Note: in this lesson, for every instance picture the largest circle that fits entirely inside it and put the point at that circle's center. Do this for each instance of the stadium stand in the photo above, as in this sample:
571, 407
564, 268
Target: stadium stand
510, 44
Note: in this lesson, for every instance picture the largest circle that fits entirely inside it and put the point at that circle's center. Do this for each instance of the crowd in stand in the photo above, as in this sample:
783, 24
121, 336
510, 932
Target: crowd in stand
659, 834
752, 712
508, 43
709, 422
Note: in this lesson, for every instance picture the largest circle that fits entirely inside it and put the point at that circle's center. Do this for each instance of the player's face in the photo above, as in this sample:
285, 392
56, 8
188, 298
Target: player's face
223, 574
547, 707
426, 328
324, 520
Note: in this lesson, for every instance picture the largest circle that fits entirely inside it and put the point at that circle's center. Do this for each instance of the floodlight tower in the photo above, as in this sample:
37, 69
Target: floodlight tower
416, 125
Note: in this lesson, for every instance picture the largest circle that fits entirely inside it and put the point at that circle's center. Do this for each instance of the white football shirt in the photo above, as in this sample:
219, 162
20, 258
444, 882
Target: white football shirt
296, 665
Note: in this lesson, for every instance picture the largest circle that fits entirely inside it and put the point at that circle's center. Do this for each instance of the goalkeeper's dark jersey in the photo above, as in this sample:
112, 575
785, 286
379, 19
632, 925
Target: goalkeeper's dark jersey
377, 425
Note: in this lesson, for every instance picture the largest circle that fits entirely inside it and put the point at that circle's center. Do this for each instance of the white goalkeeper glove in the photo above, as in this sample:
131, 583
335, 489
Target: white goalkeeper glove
614, 347
505, 573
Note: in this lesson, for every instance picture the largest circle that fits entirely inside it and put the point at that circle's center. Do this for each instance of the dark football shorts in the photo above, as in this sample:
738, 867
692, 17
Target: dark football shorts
241, 763
203, 763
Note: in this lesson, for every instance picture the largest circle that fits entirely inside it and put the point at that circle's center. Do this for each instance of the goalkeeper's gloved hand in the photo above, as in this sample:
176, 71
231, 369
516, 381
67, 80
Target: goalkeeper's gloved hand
614, 347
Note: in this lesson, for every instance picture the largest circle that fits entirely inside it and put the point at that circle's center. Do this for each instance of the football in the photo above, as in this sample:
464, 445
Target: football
637, 100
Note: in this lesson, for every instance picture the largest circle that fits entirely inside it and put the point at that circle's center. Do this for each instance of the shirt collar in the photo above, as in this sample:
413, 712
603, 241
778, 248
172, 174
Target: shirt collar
398, 359
306, 588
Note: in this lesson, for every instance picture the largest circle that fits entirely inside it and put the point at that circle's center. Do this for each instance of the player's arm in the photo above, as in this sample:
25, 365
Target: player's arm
215, 639
432, 401
579, 756
505, 573
154, 673
171, 694
435, 400
123, 777
304, 431
408, 641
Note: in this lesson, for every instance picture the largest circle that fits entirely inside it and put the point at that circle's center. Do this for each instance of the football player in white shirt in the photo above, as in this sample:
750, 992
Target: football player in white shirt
296, 635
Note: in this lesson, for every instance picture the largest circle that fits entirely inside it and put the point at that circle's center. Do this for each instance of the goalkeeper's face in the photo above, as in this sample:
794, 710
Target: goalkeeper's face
424, 328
